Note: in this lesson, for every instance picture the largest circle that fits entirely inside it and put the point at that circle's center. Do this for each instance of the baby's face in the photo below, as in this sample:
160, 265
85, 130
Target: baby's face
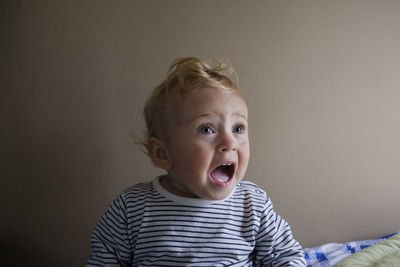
208, 143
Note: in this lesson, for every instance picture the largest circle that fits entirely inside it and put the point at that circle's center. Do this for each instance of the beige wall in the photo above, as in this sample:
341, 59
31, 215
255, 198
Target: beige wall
322, 81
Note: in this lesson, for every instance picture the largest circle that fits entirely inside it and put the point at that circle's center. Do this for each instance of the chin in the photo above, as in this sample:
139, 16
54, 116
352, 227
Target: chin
219, 195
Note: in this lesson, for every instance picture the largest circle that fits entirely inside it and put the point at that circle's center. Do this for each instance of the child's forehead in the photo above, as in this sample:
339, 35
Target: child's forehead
205, 101
208, 92
206, 95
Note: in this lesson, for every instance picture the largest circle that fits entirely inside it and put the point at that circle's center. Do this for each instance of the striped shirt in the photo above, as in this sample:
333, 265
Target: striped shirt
148, 226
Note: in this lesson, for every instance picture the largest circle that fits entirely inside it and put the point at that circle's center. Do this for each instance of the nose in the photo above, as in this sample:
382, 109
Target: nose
227, 142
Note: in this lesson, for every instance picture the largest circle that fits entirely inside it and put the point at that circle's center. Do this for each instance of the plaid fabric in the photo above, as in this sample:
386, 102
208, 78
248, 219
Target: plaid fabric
330, 254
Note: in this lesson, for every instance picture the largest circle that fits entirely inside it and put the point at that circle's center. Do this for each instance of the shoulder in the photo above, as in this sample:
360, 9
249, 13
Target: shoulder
133, 200
140, 191
139, 188
250, 190
136, 195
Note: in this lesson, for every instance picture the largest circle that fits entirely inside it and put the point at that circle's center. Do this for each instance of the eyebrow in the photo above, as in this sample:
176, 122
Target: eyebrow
238, 114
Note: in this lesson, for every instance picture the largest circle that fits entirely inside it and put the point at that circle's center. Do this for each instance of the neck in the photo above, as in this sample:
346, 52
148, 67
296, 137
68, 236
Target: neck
168, 183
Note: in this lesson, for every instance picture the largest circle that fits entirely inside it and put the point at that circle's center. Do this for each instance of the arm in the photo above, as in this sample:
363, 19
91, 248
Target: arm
110, 243
275, 245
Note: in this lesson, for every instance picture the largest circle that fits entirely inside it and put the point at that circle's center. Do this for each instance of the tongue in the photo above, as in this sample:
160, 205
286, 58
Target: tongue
220, 175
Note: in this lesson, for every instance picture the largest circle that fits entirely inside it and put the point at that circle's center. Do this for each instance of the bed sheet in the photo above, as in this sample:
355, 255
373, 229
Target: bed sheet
330, 254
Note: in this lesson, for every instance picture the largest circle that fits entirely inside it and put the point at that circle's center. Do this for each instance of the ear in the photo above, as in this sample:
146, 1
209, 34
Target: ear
158, 153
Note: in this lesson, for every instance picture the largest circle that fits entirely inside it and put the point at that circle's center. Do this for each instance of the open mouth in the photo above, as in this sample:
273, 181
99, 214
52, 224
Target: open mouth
223, 173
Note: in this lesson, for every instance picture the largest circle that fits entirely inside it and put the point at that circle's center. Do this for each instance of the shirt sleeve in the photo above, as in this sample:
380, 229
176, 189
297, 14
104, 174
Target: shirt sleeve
109, 242
275, 245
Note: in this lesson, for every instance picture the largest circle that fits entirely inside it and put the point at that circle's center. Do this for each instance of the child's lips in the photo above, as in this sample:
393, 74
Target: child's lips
223, 174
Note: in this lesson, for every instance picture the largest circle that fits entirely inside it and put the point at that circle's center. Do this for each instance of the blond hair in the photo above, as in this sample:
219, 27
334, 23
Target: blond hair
184, 76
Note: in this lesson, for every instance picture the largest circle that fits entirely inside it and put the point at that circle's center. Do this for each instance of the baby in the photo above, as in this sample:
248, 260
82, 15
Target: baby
201, 212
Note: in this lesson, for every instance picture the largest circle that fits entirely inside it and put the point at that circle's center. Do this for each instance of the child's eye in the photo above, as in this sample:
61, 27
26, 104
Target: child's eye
206, 130
239, 129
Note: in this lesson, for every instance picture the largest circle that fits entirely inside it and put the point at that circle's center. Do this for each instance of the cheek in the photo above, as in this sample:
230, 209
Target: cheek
190, 157
245, 153
198, 155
